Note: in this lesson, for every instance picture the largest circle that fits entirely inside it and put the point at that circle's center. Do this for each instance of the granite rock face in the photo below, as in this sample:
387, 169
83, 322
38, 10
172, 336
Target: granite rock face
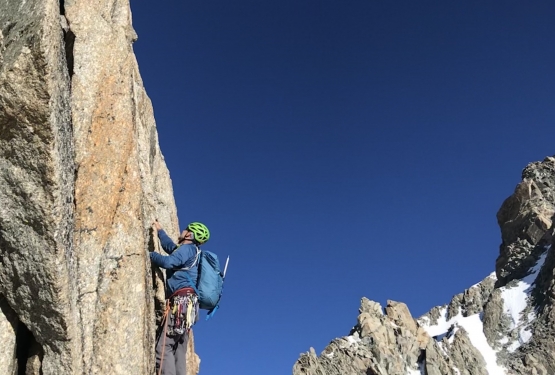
503, 325
8, 331
81, 180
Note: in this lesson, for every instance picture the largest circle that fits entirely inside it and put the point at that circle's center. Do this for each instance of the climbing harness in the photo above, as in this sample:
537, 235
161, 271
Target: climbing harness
180, 315
184, 312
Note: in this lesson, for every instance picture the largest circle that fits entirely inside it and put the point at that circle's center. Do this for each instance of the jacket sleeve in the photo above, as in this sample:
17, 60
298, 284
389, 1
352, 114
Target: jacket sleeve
166, 242
176, 260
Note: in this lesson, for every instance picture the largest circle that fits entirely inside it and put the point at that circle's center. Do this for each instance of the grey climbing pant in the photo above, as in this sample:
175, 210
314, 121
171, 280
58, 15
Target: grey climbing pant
174, 352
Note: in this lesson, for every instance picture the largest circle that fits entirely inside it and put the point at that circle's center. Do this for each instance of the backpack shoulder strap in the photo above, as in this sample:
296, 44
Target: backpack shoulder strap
196, 261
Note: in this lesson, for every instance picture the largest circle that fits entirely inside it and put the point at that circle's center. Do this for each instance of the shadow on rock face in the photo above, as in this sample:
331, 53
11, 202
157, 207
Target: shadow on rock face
22, 354
29, 352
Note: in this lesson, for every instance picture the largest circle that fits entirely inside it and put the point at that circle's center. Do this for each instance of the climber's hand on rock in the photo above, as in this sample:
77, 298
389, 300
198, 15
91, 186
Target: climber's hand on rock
157, 225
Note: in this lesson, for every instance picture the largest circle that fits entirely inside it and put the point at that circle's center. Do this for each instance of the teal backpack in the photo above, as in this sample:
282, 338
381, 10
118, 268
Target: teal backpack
210, 281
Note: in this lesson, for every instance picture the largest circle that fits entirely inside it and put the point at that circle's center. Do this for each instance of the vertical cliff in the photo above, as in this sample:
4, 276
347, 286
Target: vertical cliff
81, 179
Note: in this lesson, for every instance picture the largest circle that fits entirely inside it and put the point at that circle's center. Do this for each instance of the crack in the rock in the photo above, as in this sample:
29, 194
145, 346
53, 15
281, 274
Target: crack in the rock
27, 348
69, 40
81, 295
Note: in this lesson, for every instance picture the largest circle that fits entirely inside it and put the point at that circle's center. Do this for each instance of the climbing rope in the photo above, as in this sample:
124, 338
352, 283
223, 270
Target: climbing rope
165, 323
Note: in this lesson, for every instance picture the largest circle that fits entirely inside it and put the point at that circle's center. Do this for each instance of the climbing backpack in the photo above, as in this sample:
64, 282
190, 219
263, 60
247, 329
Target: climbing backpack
210, 281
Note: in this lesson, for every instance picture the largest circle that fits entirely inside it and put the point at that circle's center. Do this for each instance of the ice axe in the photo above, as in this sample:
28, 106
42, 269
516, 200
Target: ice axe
225, 268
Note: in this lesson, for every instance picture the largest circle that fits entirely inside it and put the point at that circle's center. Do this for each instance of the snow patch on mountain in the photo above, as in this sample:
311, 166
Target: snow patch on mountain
490, 276
515, 301
474, 328
352, 340
415, 372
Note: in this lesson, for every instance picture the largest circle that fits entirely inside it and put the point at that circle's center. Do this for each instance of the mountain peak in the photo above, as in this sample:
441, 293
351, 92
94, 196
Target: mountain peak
499, 326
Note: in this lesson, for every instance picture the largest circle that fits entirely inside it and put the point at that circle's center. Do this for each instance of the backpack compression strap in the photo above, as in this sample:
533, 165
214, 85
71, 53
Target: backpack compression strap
213, 311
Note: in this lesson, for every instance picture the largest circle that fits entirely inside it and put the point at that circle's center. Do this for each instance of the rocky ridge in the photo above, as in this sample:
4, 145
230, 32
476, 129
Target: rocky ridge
81, 178
503, 325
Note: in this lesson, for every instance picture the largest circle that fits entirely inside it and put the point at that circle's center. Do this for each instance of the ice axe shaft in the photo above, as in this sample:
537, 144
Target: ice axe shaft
225, 268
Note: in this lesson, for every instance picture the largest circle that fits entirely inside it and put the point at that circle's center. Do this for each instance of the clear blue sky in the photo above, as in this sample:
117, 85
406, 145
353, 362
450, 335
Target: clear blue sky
341, 149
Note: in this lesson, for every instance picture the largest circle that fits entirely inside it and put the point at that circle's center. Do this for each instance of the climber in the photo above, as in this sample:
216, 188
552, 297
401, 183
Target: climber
182, 302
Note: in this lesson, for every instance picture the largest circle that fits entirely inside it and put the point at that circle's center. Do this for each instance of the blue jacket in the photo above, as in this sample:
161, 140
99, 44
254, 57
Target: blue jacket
179, 257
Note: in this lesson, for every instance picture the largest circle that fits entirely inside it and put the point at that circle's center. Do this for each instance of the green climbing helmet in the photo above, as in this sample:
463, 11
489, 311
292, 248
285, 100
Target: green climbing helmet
201, 232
